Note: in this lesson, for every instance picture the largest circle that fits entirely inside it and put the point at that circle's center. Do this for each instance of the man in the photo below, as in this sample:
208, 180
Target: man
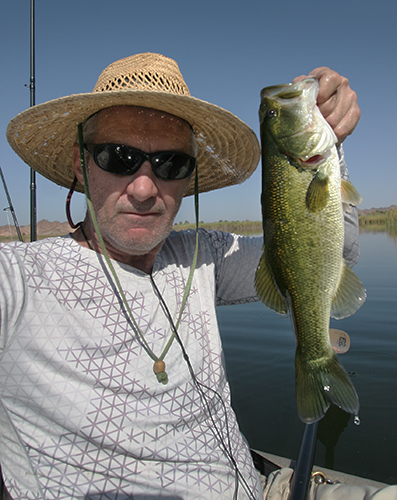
135, 217
112, 380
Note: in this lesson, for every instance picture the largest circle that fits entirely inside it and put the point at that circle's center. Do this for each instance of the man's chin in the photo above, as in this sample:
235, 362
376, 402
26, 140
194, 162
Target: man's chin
138, 245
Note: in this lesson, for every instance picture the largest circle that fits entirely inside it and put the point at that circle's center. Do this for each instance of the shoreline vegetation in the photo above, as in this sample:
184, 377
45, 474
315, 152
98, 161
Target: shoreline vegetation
374, 219
380, 220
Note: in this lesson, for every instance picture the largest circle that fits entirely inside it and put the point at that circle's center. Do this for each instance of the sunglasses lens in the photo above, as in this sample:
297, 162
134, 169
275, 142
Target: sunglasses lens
117, 159
173, 166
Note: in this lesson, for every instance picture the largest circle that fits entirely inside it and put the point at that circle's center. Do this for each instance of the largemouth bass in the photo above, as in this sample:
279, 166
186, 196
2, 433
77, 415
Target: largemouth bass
302, 270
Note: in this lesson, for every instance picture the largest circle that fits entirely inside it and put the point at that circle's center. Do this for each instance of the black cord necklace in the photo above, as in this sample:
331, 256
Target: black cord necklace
80, 225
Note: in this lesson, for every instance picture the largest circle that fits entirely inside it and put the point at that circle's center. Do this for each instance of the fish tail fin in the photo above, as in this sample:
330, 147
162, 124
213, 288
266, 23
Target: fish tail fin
321, 383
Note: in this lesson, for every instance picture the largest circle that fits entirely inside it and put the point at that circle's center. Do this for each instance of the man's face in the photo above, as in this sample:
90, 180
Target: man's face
136, 212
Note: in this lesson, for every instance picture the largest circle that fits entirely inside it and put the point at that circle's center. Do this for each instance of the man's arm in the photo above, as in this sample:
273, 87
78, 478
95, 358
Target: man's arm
351, 249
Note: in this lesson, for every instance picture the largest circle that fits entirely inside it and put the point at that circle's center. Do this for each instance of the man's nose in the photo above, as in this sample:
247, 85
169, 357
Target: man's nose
143, 184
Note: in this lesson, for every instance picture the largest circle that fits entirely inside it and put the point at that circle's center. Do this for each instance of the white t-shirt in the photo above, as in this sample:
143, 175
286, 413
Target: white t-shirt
82, 415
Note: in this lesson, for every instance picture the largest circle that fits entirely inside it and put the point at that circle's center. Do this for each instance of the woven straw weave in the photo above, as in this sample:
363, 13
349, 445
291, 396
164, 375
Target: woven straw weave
44, 135
163, 76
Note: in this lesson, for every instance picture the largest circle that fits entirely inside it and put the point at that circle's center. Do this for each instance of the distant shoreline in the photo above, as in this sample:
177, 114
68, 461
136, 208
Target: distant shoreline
379, 219
376, 219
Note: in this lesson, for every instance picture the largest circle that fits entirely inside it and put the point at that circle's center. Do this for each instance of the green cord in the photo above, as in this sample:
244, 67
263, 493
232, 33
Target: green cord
162, 376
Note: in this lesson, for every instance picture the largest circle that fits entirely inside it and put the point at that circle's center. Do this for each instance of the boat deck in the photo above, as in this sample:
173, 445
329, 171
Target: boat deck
330, 474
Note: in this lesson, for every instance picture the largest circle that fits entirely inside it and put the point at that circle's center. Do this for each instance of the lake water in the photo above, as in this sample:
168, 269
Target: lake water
260, 347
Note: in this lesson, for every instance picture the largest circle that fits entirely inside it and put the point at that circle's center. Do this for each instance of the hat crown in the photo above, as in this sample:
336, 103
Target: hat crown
143, 72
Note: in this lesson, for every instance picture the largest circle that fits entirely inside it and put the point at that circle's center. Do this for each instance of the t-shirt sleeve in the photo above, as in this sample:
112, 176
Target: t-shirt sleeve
351, 248
236, 259
12, 294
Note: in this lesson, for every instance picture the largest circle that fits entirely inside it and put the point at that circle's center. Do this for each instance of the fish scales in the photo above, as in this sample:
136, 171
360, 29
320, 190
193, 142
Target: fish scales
302, 270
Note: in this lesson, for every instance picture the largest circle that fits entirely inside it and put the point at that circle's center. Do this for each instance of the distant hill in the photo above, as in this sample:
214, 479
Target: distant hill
367, 211
44, 228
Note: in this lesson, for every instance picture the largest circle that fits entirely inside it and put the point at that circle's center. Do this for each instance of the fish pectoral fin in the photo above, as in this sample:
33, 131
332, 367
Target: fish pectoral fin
266, 288
349, 193
318, 192
320, 383
350, 294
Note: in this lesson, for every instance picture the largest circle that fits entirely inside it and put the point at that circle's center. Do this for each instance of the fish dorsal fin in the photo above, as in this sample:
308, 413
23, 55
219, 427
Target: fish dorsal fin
266, 288
350, 294
350, 195
318, 192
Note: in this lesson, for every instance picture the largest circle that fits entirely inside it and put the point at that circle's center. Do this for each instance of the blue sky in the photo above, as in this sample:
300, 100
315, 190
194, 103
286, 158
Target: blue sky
228, 51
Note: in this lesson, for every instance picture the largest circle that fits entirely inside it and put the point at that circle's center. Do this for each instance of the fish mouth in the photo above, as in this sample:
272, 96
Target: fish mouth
310, 162
288, 91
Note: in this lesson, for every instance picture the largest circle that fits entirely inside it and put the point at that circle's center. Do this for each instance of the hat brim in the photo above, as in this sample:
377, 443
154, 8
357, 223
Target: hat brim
44, 135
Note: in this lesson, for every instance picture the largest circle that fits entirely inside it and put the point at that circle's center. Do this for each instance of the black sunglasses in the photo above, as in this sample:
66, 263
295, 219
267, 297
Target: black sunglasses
125, 160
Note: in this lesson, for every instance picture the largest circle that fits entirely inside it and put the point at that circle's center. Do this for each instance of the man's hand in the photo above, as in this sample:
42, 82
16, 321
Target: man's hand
337, 101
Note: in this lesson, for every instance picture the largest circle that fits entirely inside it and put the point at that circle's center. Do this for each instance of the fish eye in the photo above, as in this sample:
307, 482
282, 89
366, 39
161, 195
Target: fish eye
272, 113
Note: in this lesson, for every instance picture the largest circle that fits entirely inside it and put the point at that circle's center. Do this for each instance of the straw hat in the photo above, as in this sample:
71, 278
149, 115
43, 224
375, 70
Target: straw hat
43, 135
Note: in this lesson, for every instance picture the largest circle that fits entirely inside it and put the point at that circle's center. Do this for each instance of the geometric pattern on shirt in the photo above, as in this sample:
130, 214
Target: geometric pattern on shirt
111, 429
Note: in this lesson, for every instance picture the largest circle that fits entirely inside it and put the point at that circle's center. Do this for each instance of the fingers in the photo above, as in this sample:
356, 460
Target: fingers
337, 101
299, 78
346, 123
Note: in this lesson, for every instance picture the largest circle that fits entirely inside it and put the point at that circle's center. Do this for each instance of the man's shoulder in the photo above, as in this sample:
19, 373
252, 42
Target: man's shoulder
205, 234
36, 246
208, 238
36, 251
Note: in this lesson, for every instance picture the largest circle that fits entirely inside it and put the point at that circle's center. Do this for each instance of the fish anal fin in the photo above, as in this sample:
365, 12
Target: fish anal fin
349, 193
350, 294
266, 288
320, 384
318, 192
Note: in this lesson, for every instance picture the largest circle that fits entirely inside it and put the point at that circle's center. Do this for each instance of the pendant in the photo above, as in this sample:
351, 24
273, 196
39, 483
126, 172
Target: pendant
159, 370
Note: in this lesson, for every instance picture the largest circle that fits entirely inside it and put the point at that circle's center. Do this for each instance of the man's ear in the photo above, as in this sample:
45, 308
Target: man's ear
77, 165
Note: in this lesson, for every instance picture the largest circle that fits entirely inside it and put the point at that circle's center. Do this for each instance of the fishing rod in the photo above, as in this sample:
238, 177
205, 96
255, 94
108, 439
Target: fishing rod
33, 214
10, 207
304, 465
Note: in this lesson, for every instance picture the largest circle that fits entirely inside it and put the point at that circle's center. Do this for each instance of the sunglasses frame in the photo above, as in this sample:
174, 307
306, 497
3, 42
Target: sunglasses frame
150, 157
